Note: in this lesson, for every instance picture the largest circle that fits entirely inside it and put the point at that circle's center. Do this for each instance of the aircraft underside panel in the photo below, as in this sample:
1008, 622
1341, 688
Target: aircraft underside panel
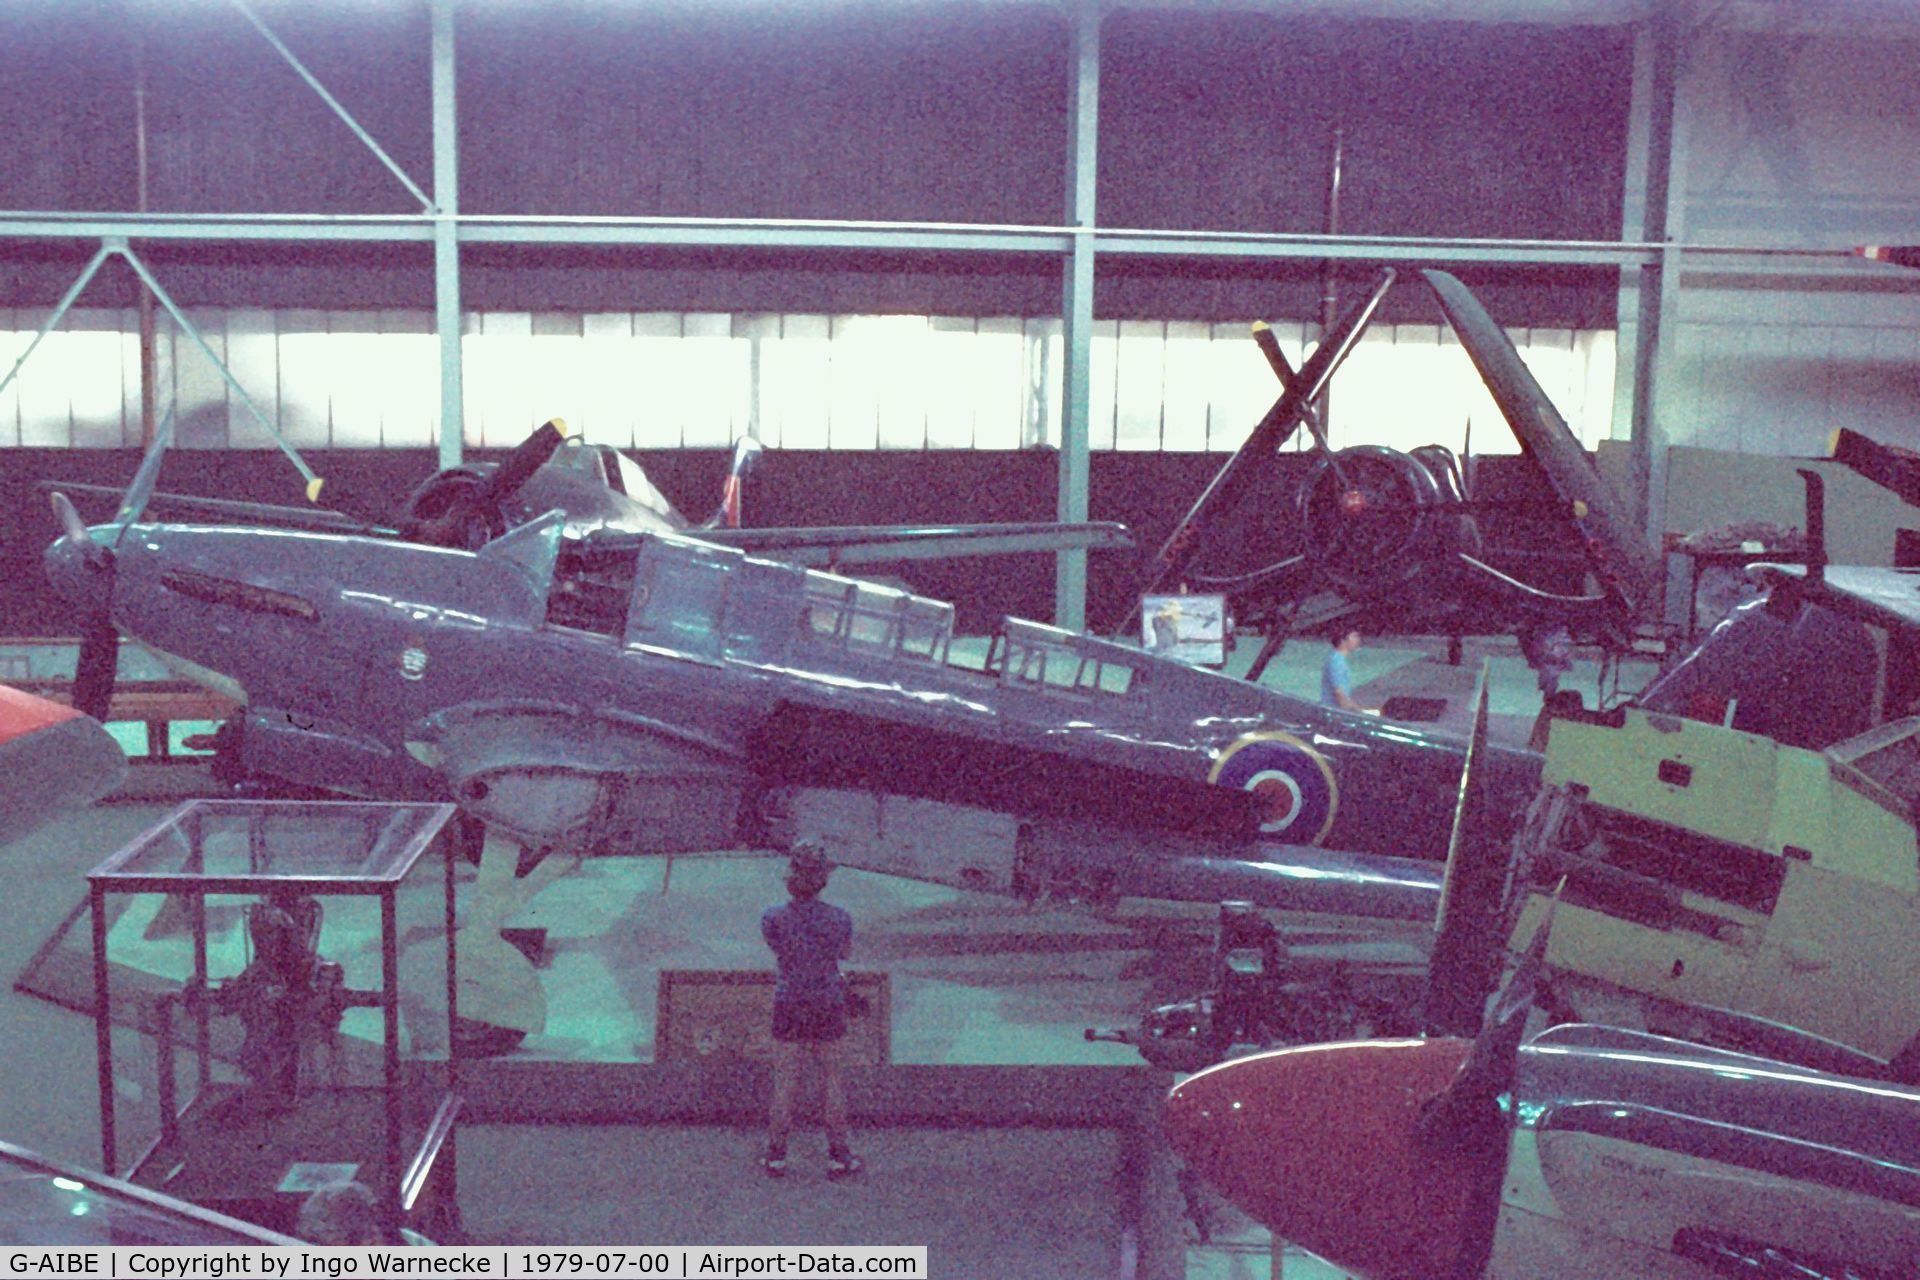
989, 851
903, 835
566, 778
819, 747
321, 753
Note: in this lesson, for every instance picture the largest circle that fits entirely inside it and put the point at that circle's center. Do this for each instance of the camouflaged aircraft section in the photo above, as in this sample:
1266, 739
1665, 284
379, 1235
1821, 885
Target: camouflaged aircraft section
1766, 891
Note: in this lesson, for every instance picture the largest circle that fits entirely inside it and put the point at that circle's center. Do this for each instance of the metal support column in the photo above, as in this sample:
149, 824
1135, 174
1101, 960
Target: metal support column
1083, 107
446, 236
1654, 209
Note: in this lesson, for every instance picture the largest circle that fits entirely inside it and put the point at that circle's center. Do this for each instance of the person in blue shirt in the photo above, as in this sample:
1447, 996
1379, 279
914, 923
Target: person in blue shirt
809, 939
1336, 674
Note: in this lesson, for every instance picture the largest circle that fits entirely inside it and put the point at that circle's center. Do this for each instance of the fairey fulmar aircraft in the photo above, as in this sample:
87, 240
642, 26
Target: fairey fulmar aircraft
579, 690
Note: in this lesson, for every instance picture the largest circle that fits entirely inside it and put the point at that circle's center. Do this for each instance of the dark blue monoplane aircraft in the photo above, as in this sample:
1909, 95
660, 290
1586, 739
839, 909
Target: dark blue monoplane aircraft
581, 690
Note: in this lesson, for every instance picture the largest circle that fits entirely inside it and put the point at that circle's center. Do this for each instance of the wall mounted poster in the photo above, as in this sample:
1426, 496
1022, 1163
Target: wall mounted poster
1186, 628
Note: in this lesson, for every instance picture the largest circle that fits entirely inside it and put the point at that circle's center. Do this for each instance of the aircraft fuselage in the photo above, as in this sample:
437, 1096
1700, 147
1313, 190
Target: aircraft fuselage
654, 690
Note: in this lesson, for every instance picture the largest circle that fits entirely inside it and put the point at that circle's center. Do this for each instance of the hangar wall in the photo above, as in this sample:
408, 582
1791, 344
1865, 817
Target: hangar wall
1798, 139
1210, 121
951, 112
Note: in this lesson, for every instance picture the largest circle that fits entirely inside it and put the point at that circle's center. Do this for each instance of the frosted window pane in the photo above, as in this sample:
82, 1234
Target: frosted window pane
409, 364
999, 392
253, 358
952, 361
1189, 362
796, 391
1140, 383
201, 420
95, 397
311, 367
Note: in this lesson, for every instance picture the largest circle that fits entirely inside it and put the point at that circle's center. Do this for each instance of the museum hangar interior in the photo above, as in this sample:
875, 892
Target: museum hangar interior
1559, 304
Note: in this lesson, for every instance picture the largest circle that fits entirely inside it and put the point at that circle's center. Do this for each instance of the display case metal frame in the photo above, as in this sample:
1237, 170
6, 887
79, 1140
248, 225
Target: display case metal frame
377, 870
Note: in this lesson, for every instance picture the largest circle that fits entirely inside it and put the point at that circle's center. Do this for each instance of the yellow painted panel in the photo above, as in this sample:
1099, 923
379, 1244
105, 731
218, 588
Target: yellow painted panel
1672, 965
1838, 960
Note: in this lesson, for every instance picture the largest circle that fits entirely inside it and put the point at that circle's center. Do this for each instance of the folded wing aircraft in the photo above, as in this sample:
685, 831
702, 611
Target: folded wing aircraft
1392, 539
1607, 1153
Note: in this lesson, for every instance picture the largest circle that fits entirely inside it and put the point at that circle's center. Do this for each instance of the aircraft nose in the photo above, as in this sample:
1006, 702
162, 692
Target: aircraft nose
69, 572
1317, 1144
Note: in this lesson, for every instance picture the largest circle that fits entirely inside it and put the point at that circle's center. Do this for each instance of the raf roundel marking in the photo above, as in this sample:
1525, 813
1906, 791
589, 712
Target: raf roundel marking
1292, 778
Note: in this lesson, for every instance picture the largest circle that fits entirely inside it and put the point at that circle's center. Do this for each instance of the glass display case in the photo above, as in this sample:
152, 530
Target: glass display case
293, 963
45, 1202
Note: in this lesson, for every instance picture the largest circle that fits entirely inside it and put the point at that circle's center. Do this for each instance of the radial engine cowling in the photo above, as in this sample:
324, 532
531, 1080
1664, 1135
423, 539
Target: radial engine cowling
1373, 516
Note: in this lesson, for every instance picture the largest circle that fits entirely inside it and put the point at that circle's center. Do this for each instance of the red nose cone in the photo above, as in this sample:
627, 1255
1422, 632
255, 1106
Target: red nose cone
1353, 502
50, 756
1316, 1143
22, 714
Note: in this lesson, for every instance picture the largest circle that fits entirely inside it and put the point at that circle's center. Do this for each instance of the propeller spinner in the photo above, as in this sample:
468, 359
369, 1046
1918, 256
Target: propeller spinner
1385, 1157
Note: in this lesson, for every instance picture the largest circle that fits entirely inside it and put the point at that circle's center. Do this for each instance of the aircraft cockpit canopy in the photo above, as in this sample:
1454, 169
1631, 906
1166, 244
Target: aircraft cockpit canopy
870, 617
606, 465
1035, 655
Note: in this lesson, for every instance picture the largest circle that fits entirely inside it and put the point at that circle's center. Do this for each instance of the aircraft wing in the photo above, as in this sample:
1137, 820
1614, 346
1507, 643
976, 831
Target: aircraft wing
1881, 596
879, 543
1621, 558
322, 519
52, 758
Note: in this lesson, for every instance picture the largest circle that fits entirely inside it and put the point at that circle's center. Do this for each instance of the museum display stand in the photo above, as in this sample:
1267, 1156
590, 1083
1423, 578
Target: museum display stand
294, 962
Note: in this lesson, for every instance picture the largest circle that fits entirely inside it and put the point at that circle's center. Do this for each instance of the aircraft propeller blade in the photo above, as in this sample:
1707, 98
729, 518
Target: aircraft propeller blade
93, 677
1468, 938
746, 452
76, 530
88, 580
1267, 436
140, 492
465, 507
527, 457
1283, 371
1471, 1098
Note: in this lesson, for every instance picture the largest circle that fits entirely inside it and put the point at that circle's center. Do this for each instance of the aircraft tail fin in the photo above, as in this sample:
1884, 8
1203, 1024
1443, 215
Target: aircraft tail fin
746, 451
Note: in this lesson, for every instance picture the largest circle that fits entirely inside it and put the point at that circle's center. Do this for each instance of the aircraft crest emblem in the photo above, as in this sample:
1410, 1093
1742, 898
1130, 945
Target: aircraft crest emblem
413, 662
